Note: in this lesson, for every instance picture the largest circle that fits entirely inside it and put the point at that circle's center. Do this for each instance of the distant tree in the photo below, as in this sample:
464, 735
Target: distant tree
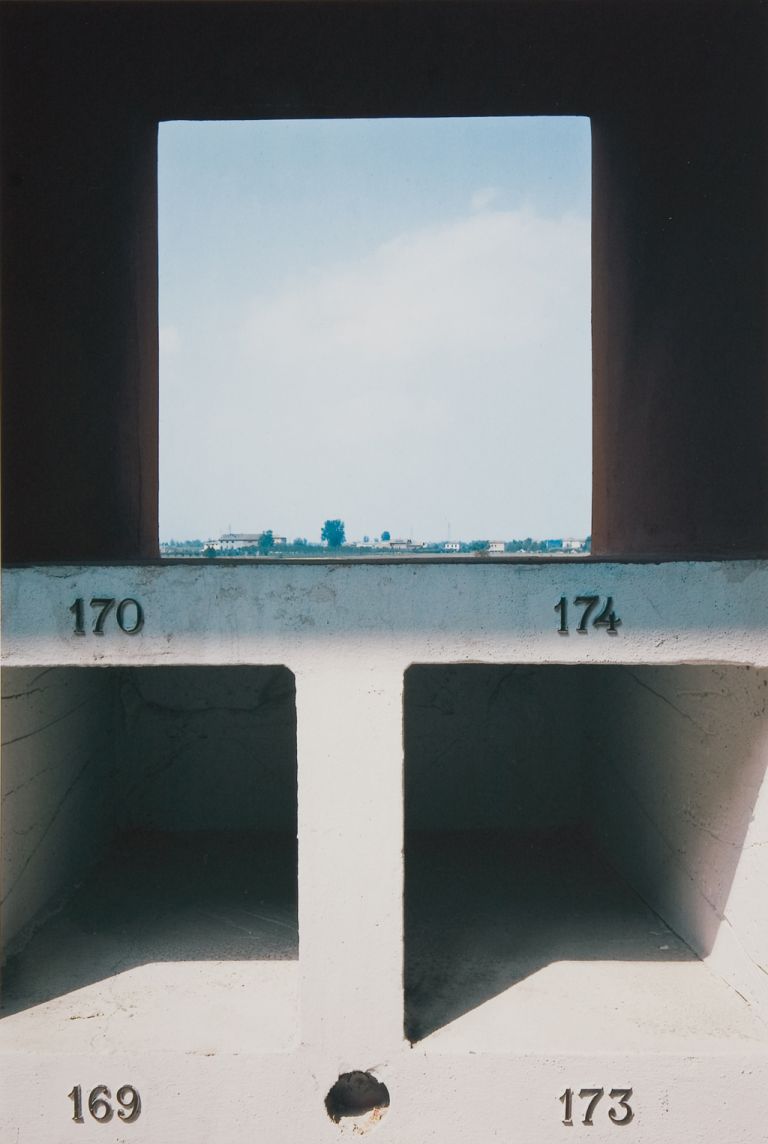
588, 544
209, 552
333, 533
300, 542
385, 536
366, 539
266, 541
479, 545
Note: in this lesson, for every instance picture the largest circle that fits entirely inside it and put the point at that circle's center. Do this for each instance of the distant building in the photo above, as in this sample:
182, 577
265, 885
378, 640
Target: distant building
496, 546
451, 546
229, 540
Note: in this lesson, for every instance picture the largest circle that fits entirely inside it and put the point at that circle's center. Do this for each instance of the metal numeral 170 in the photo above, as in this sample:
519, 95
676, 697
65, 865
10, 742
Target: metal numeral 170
128, 613
606, 618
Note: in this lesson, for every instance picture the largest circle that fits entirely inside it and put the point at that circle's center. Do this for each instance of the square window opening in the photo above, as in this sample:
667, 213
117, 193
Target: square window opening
375, 337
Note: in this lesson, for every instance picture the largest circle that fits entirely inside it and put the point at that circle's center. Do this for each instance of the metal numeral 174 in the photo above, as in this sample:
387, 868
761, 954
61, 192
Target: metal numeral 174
606, 618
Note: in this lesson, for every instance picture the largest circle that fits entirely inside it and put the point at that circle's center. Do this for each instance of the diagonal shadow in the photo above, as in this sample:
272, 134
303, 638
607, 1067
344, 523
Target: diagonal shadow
192, 896
551, 810
484, 910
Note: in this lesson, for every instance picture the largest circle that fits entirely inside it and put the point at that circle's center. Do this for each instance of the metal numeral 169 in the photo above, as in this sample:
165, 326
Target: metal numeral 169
100, 1107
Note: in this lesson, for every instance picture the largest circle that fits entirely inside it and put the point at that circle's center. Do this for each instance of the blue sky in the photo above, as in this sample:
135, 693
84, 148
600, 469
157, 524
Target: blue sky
386, 321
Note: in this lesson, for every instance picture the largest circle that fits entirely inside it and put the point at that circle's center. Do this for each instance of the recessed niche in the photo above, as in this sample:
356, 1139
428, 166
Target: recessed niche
575, 836
149, 856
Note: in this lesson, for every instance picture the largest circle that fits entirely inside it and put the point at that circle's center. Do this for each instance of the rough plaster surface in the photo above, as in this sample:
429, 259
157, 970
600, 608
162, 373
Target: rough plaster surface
661, 767
490, 611
492, 748
56, 810
217, 741
522, 945
679, 789
670, 1026
185, 942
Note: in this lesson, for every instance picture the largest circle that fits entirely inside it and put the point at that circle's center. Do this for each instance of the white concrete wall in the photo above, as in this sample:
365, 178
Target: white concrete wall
349, 634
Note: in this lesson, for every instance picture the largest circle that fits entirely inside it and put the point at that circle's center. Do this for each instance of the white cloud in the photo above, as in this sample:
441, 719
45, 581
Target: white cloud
499, 281
483, 198
444, 377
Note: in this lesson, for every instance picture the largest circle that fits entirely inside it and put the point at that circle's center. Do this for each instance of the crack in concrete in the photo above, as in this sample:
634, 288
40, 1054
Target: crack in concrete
760, 1016
154, 772
46, 831
58, 764
233, 925
40, 674
673, 852
264, 697
669, 703
45, 726
516, 673
265, 918
711, 833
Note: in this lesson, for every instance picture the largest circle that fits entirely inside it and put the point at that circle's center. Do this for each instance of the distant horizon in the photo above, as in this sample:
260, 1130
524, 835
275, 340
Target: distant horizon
369, 538
376, 319
197, 537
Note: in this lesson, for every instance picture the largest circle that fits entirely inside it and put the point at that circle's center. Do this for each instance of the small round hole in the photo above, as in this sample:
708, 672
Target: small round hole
354, 1094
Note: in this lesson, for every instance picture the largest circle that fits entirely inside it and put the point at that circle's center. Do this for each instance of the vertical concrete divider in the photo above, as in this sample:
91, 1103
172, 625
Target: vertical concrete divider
350, 824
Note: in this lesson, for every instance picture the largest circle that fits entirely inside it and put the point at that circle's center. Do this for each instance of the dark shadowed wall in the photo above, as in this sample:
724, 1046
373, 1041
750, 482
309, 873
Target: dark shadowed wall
676, 92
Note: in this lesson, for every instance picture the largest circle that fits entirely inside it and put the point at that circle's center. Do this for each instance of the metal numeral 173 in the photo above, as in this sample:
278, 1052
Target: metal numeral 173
606, 618
100, 1104
619, 1113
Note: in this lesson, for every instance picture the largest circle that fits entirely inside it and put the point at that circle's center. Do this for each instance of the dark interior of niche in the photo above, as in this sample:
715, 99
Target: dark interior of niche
546, 808
168, 824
